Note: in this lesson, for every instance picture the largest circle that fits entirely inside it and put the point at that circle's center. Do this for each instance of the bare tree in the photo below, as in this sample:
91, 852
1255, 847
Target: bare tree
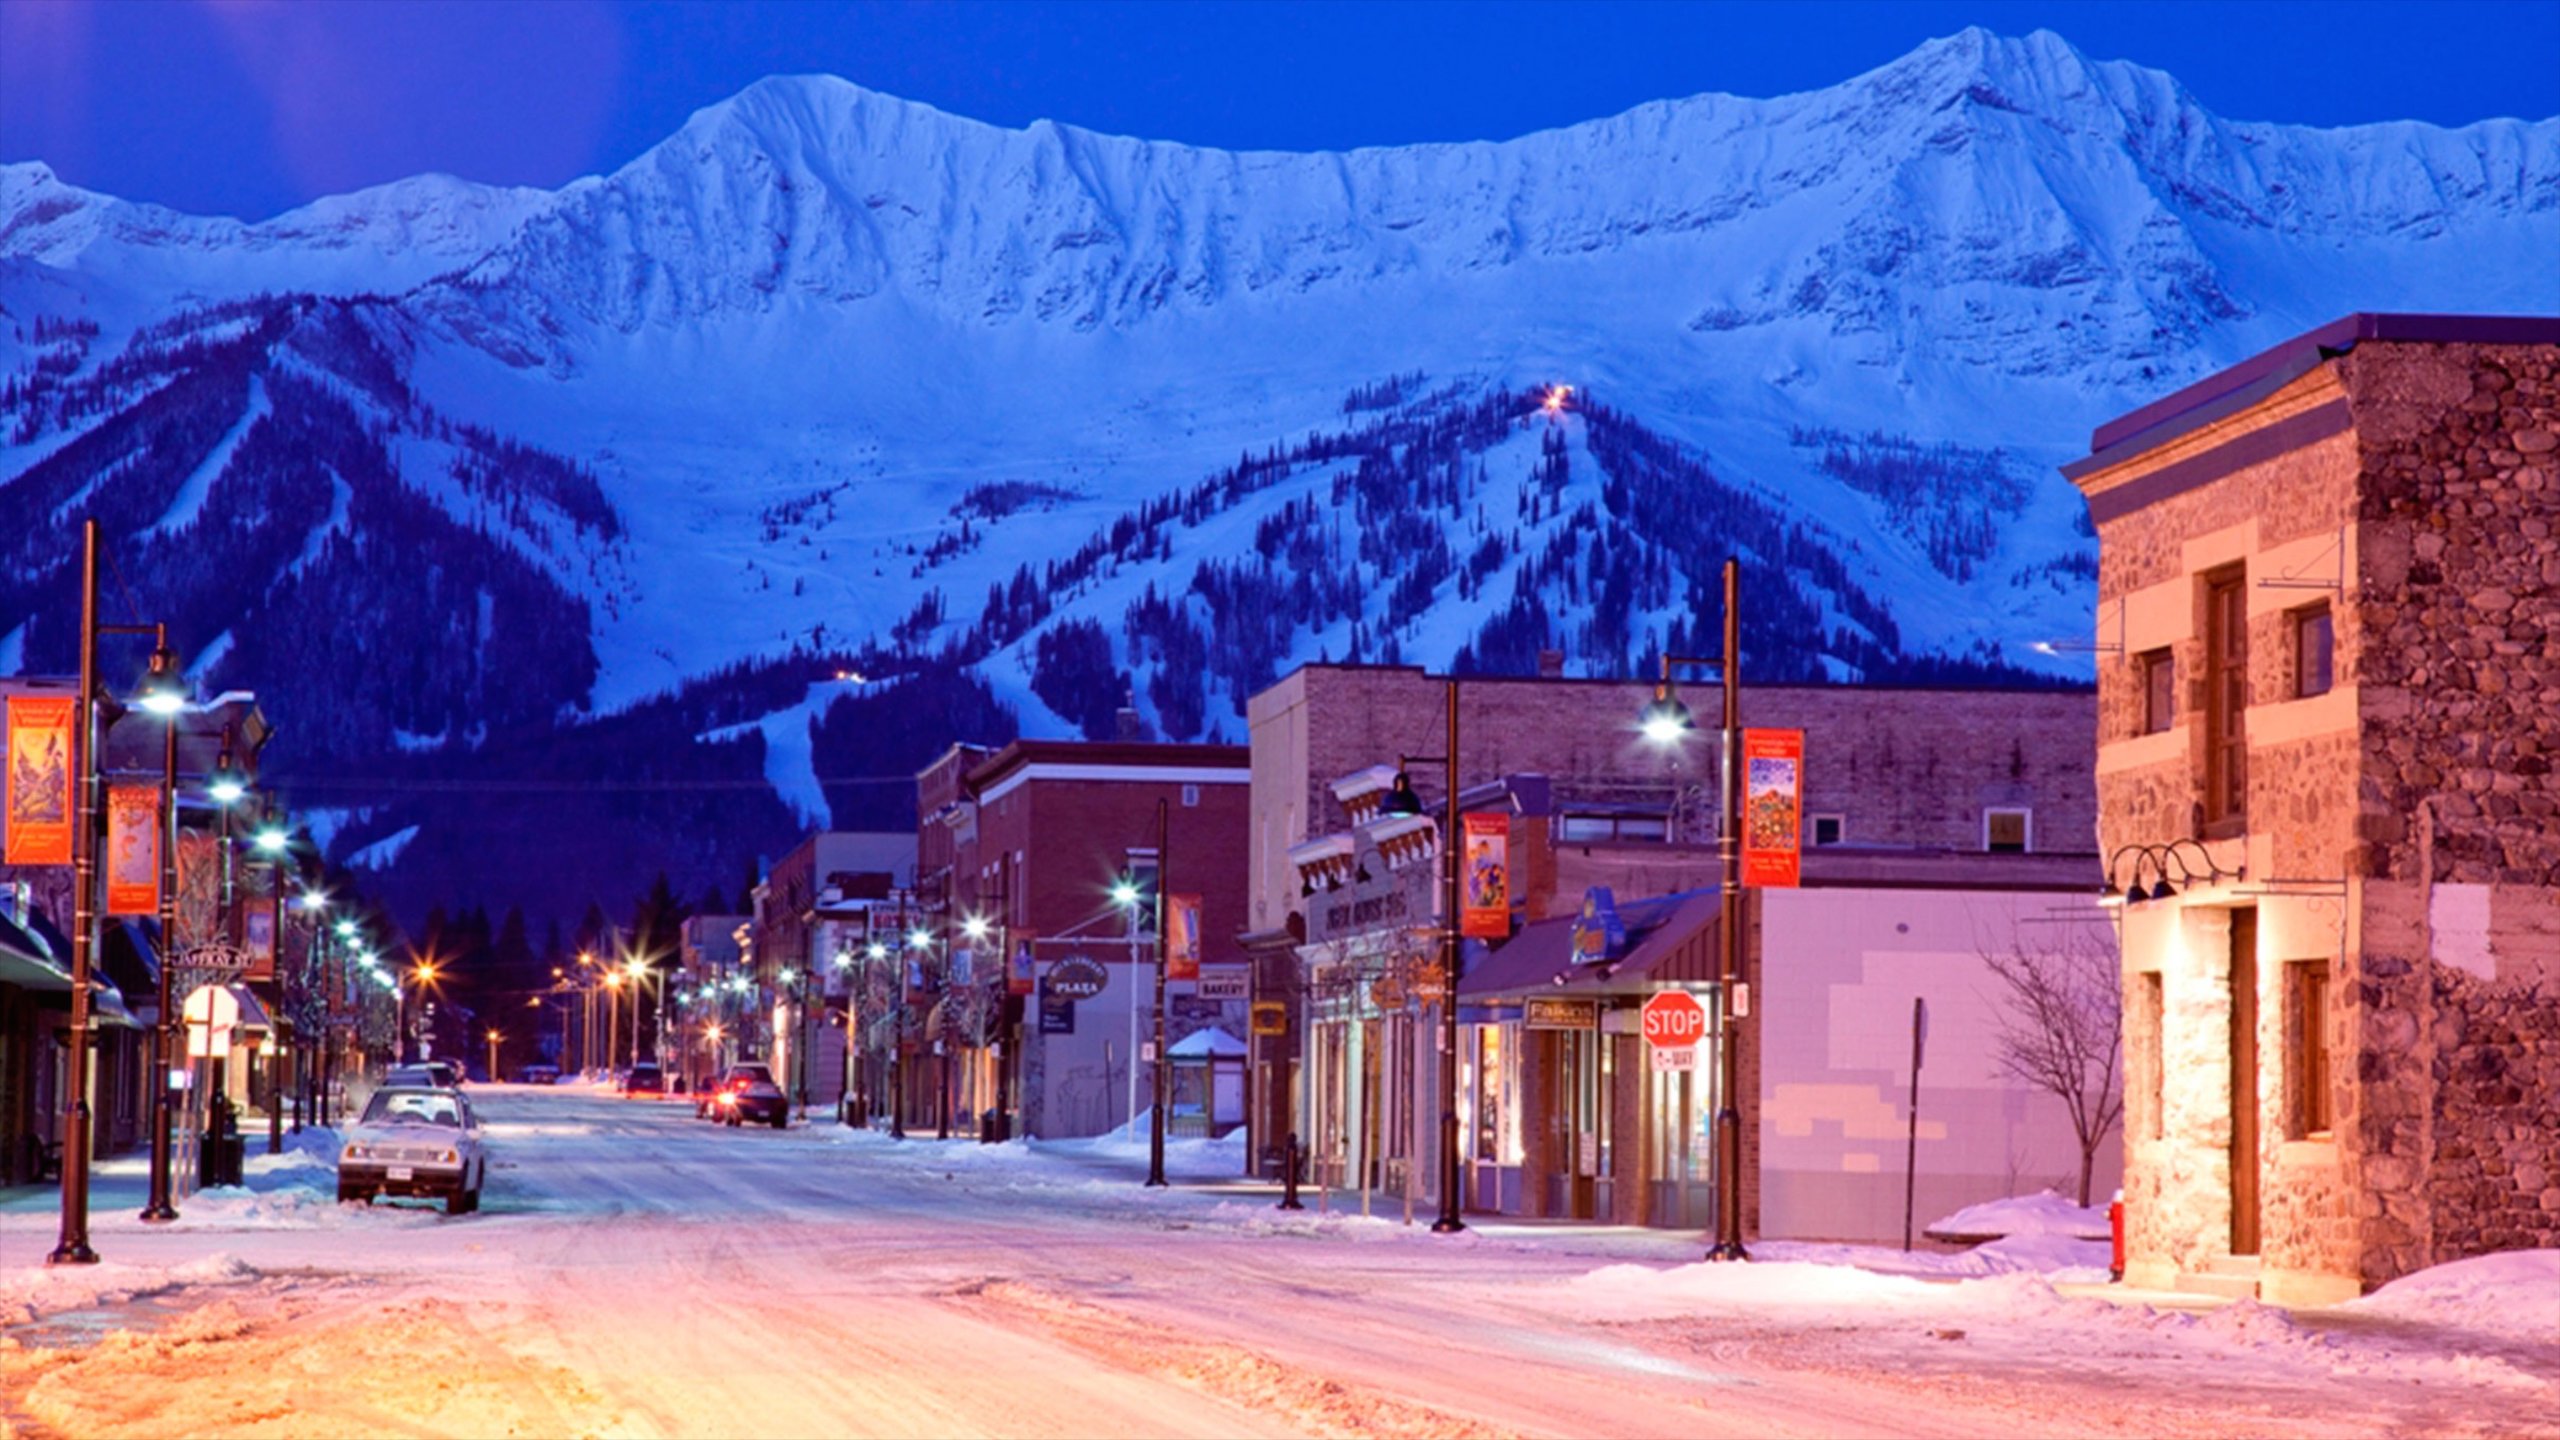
2062, 1029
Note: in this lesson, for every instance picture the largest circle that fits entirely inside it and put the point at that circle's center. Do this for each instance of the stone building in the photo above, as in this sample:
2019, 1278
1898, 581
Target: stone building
1939, 824
2328, 708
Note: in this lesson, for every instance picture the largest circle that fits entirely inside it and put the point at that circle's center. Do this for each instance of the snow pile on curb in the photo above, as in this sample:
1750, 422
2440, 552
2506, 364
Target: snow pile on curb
2044, 1213
39, 1290
2514, 1295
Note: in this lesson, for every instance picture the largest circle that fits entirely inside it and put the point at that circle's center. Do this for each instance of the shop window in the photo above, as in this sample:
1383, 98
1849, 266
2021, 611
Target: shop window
2226, 701
2008, 832
1584, 829
2308, 1032
2159, 677
2150, 1017
1827, 829
2314, 644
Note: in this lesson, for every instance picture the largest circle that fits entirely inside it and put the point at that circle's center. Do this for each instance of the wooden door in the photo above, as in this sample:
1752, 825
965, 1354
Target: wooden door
2244, 1082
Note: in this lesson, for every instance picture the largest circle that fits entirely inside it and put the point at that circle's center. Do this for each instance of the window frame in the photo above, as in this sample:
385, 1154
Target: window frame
2226, 701
1839, 829
2310, 1067
2298, 623
2026, 829
2156, 675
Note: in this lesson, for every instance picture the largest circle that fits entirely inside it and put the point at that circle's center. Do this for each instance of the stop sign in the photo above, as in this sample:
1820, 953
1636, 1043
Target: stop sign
1674, 1018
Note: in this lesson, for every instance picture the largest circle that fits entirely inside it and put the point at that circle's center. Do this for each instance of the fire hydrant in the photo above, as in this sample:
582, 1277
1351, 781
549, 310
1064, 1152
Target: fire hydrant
2115, 1232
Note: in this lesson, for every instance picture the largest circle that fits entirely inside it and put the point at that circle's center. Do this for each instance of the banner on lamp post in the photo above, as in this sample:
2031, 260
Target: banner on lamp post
1018, 973
199, 888
41, 740
1484, 907
1182, 947
1772, 806
258, 937
133, 849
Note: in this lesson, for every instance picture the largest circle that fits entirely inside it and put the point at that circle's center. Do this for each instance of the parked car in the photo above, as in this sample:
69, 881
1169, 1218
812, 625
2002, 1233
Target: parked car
644, 1079
427, 1074
418, 1141
538, 1075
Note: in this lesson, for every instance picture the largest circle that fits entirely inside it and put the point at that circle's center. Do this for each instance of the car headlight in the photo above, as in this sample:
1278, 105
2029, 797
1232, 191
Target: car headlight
359, 1152
728, 1098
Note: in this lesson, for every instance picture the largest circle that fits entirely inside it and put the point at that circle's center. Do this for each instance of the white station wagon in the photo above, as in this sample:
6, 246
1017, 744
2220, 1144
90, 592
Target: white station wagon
415, 1141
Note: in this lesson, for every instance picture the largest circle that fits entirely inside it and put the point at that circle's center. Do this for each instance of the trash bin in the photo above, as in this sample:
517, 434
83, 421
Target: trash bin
222, 1156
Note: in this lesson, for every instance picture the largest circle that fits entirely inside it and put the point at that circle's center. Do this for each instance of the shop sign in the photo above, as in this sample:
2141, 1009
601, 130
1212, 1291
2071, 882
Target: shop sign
1772, 806
1484, 910
1598, 933
1057, 1016
1225, 982
41, 739
1075, 978
133, 849
1270, 1017
1557, 1012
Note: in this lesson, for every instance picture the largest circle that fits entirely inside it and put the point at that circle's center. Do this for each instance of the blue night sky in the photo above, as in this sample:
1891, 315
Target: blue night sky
249, 107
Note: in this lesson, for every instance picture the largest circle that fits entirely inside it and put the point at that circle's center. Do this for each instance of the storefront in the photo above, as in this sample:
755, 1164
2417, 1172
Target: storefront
1371, 970
1564, 1113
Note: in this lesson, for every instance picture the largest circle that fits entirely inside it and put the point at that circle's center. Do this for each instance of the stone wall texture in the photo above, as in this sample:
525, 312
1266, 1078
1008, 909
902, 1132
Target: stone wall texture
2460, 453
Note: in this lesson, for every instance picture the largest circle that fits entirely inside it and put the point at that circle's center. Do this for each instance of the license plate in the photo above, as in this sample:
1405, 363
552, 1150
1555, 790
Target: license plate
399, 1172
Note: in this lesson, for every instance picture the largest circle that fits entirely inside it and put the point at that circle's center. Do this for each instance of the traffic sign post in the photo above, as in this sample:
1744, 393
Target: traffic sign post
1674, 1023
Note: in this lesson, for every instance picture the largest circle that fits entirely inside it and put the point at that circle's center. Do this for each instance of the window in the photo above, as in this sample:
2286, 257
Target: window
2226, 700
2313, 642
1582, 829
2149, 1018
1190, 796
2159, 676
1827, 829
2308, 1002
2007, 832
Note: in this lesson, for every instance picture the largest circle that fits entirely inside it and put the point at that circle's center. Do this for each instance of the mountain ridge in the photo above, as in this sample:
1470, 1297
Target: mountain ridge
1032, 420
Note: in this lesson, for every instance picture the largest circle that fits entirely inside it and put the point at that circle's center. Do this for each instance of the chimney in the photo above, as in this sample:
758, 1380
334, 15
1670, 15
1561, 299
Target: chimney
1550, 664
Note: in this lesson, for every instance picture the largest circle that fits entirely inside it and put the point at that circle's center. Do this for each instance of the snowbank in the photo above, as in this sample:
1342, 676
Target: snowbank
2514, 1295
2043, 1213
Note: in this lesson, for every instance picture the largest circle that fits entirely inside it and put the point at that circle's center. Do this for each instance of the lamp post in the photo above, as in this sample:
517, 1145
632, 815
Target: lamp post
158, 1208
493, 1057
163, 694
1665, 720
1403, 801
1127, 893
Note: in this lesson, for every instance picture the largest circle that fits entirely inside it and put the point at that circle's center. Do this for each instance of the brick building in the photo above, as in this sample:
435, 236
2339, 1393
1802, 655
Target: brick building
1939, 823
811, 923
2328, 706
1027, 842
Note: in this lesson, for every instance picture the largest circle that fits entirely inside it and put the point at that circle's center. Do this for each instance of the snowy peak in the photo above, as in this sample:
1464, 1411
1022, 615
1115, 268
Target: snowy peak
381, 240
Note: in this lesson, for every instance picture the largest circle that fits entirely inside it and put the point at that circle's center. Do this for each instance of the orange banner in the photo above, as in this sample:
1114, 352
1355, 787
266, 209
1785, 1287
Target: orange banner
258, 937
1484, 907
1182, 948
1772, 806
133, 850
42, 738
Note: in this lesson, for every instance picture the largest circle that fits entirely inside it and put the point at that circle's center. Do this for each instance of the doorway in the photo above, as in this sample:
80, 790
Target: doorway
2244, 1081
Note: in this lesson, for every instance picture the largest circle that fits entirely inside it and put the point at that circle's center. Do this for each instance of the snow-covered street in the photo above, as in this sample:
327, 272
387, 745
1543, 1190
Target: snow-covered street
639, 1272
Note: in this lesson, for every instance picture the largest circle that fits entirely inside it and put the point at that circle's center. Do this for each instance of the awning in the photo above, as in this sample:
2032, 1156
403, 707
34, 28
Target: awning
29, 962
1665, 938
1212, 1043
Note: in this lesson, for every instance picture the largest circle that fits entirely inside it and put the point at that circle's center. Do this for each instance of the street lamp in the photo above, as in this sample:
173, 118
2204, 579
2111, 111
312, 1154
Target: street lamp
158, 1208
1665, 720
1127, 893
163, 693
1403, 801
493, 1057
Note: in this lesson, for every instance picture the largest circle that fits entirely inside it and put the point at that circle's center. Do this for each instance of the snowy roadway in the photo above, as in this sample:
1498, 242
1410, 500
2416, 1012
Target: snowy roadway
638, 1272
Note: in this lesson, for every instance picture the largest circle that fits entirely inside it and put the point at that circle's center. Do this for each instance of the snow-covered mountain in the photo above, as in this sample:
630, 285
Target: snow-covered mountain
481, 485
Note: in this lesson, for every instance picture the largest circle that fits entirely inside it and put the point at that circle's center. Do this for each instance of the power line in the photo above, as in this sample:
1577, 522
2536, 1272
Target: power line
553, 787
